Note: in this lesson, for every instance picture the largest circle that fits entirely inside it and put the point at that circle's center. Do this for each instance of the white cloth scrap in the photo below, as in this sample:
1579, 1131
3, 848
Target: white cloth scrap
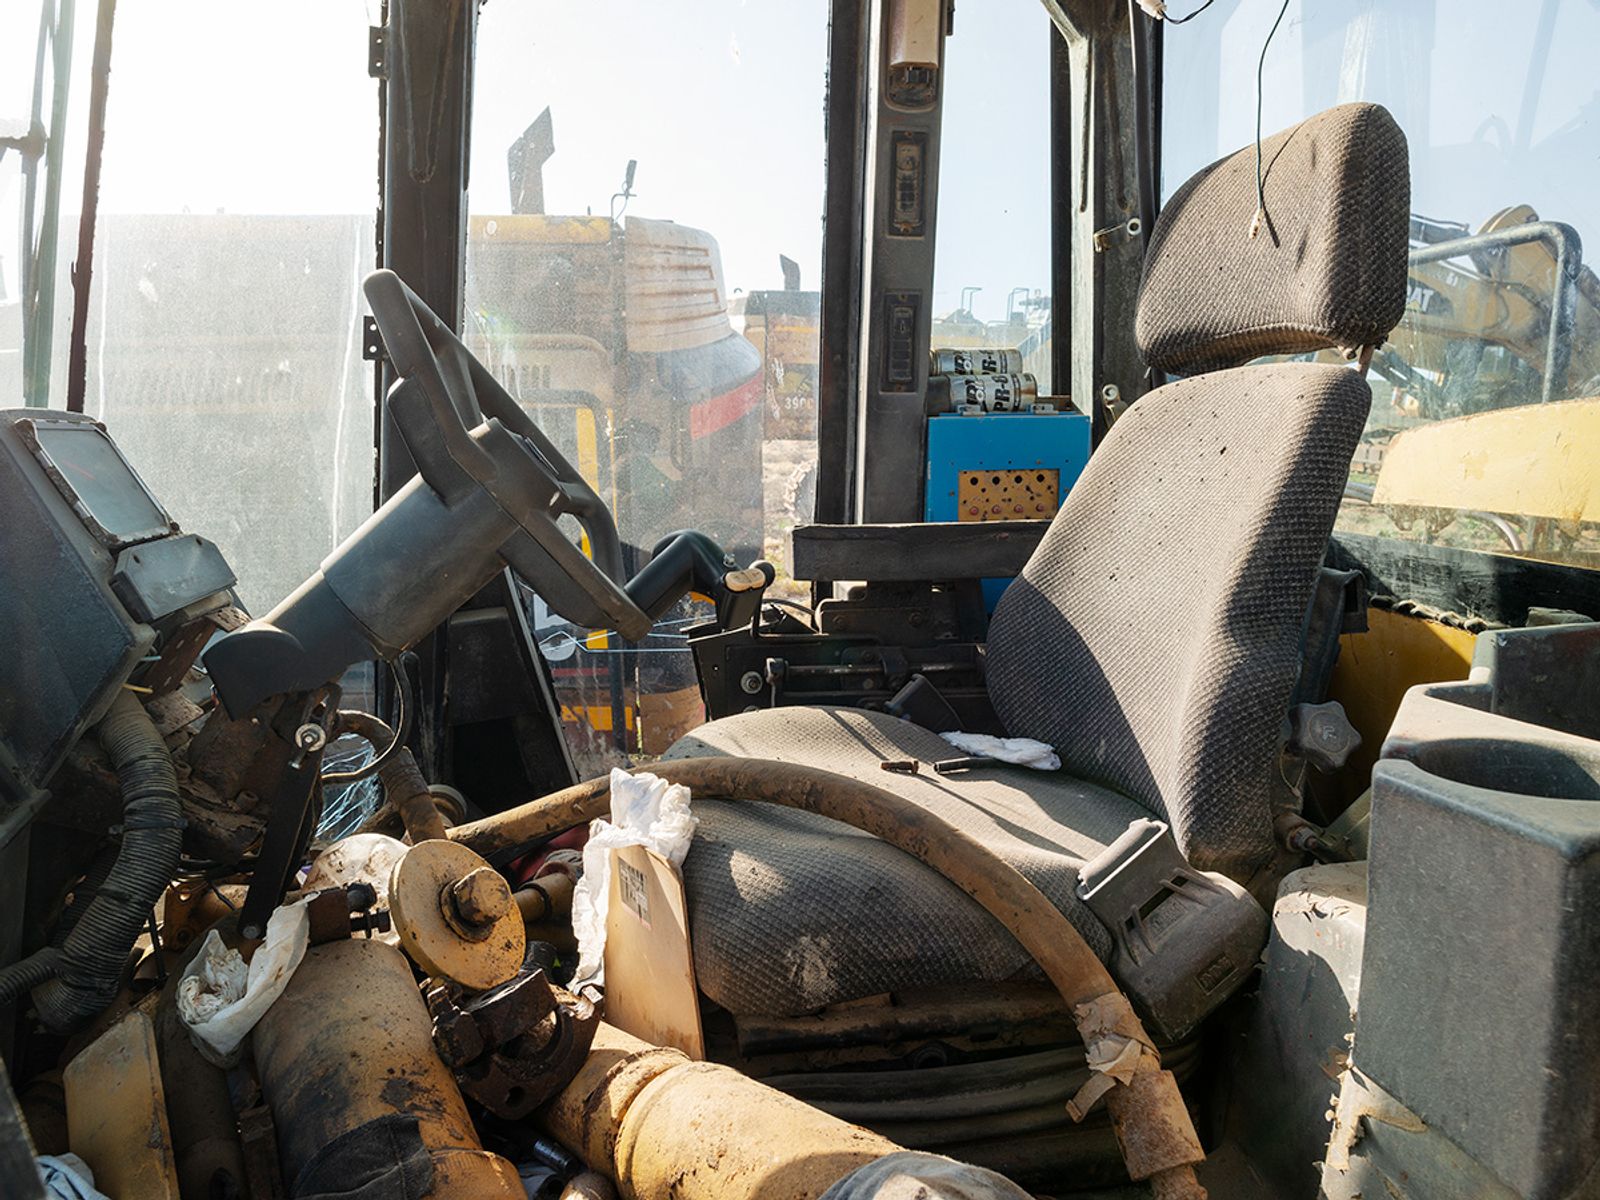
1024, 752
645, 811
220, 999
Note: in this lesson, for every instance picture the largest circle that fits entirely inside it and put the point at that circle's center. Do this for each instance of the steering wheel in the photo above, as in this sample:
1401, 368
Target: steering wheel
468, 435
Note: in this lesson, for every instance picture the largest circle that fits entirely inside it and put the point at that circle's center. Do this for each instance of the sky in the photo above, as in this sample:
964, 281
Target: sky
721, 103
1454, 73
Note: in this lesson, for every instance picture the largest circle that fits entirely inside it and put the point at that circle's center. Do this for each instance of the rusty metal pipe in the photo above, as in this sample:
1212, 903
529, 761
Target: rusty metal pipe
403, 784
660, 1125
349, 1042
546, 898
1153, 1127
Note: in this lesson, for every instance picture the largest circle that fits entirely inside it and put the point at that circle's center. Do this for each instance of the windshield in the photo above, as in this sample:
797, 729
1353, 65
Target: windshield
1486, 401
643, 259
991, 278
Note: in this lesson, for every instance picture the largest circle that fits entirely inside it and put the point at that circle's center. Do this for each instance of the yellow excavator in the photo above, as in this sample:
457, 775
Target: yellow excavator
1495, 392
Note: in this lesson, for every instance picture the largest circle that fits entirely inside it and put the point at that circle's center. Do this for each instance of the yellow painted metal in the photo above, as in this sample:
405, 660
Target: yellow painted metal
1537, 461
661, 1126
1008, 495
596, 716
417, 900
117, 1113
350, 1041
1375, 668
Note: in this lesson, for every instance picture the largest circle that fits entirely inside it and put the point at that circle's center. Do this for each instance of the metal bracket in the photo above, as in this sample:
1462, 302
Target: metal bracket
378, 51
372, 347
1116, 235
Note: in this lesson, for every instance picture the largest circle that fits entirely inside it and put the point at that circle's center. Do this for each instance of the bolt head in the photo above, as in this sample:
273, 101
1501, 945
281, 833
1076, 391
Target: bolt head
480, 897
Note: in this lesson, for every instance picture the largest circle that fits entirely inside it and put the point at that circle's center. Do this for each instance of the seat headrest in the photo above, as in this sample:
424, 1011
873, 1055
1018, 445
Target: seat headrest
1327, 267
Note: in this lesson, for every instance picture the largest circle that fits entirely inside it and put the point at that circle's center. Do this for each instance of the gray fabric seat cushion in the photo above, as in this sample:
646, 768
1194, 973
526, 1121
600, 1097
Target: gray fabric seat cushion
790, 911
1154, 637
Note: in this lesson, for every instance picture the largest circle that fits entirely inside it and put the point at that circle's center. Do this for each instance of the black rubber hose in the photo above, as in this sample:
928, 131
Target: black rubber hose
94, 953
23, 976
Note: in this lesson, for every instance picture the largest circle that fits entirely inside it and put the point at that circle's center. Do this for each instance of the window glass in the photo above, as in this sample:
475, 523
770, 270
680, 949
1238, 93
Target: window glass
236, 224
41, 149
19, 27
991, 278
1485, 421
643, 261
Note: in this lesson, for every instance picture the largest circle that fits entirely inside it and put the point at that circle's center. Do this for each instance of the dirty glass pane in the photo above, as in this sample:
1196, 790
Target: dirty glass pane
19, 25
642, 266
236, 214
35, 100
991, 279
1485, 425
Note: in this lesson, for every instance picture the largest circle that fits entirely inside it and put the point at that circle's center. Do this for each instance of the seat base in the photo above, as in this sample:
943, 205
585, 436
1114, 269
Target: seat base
790, 911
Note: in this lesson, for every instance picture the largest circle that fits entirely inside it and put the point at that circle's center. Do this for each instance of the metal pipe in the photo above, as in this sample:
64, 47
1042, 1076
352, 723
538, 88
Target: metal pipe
1153, 1126
83, 267
661, 1125
1568, 247
1364, 492
403, 785
547, 897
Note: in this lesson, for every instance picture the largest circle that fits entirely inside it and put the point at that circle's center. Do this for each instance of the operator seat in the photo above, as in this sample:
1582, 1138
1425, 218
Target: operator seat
1153, 638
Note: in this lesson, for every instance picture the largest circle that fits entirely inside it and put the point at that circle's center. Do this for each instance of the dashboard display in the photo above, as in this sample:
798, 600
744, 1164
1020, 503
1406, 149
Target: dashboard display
89, 470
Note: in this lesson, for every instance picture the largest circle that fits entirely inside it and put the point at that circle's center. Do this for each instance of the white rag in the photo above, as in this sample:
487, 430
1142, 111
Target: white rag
220, 999
1024, 752
645, 811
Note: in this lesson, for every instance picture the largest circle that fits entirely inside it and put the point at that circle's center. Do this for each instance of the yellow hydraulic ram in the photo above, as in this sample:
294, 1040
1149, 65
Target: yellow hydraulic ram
350, 1042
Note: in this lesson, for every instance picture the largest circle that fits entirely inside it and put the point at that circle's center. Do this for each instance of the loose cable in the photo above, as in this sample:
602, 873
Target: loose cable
1260, 218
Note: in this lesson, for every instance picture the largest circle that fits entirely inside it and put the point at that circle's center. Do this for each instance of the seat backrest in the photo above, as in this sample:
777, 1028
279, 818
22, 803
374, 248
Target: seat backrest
1154, 637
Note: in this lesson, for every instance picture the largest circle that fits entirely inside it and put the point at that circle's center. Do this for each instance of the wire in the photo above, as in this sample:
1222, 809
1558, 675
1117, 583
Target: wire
1261, 66
367, 770
799, 608
1191, 16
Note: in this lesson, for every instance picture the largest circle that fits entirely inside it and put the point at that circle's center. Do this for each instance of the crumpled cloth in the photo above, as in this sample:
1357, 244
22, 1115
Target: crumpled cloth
913, 1175
67, 1177
1024, 752
220, 999
648, 811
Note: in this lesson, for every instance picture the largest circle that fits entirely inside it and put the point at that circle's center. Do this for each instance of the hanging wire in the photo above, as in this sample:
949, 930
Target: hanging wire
1260, 218
1191, 16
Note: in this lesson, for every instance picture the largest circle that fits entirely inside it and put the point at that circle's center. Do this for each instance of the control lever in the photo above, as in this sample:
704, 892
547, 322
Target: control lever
687, 561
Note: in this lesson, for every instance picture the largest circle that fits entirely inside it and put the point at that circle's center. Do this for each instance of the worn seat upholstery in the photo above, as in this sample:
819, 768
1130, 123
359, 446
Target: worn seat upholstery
1153, 638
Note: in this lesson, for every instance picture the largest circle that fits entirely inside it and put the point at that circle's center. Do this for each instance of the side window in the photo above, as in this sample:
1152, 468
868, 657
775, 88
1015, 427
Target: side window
1486, 401
991, 280
41, 169
643, 260
224, 336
